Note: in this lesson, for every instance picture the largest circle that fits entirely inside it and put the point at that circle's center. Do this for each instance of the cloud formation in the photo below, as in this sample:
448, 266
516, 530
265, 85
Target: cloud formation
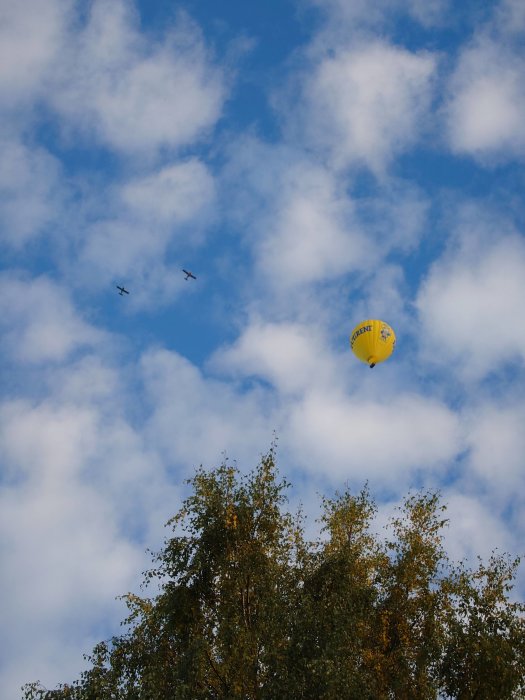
147, 224
293, 357
32, 192
356, 15
485, 101
384, 442
470, 306
369, 103
171, 196
107, 81
190, 409
40, 322
486, 109
31, 41
126, 92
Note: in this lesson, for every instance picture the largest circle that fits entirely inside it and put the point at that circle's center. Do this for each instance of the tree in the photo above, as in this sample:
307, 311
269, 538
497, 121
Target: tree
249, 609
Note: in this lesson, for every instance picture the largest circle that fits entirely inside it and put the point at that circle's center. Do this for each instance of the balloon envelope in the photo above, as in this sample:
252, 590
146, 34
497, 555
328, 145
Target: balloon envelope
372, 341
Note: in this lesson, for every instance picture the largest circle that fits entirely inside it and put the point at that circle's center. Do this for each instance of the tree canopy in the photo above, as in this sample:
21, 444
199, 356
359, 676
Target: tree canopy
247, 608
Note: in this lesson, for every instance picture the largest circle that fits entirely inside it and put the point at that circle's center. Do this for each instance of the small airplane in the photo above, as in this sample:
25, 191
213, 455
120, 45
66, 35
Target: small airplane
189, 274
122, 291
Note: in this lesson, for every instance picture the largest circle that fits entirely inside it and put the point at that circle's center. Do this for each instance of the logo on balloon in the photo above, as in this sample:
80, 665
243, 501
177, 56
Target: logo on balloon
358, 332
385, 333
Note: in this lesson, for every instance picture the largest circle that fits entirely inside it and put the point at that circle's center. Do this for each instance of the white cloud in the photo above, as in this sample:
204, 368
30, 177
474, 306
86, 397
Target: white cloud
476, 528
195, 419
367, 104
59, 439
134, 96
303, 225
62, 566
510, 16
31, 39
293, 357
30, 196
133, 237
385, 297
177, 193
283, 189
396, 216
123, 247
61, 544
107, 78
40, 323
313, 234
88, 381
295, 215
486, 109
82, 494
427, 12
470, 306
497, 448
384, 440
355, 15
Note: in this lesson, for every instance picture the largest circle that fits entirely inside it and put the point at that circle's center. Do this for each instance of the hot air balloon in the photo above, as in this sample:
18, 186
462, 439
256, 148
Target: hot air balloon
372, 341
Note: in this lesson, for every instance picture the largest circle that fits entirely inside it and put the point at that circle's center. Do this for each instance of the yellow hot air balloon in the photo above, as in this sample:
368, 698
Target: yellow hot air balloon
372, 341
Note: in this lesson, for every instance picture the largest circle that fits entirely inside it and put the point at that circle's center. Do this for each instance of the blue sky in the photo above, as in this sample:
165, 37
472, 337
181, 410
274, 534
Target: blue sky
314, 163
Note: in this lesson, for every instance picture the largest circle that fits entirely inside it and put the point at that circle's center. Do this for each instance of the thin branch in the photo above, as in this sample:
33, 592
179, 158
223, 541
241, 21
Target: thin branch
214, 669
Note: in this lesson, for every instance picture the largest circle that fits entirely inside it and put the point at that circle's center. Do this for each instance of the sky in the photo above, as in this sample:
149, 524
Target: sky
314, 163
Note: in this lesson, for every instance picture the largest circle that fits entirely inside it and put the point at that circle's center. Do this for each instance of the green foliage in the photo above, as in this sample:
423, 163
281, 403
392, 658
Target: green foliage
248, 609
